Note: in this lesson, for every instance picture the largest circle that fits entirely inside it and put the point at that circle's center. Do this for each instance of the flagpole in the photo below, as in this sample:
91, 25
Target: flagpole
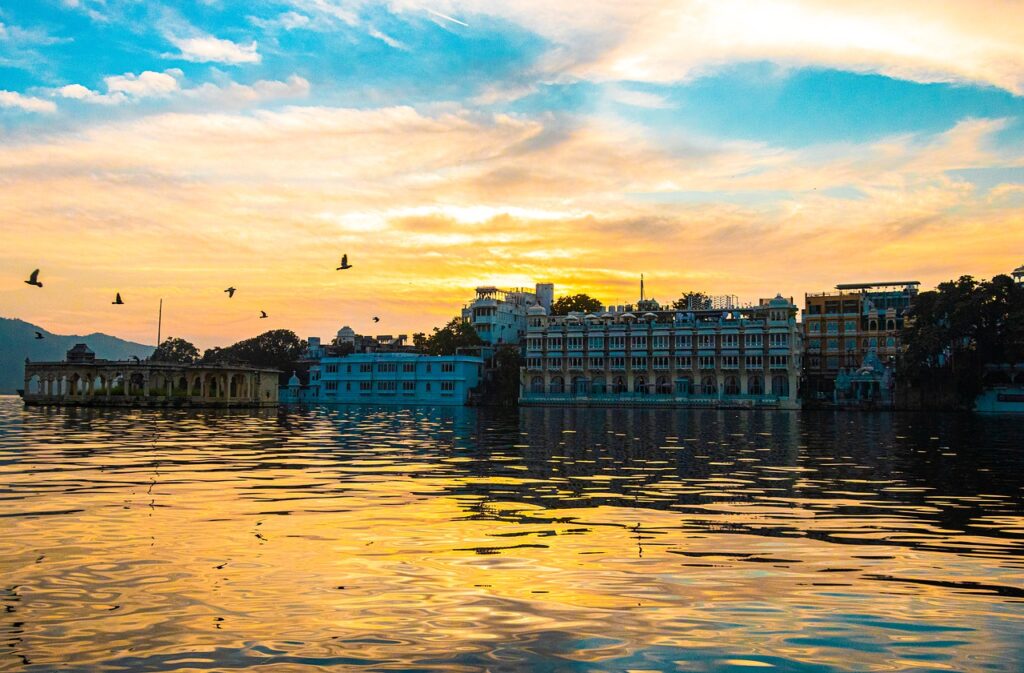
159, 322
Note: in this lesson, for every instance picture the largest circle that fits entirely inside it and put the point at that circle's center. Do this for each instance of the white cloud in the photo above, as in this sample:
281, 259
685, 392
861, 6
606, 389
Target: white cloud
126, 87
13, 99
263, 90
210, 49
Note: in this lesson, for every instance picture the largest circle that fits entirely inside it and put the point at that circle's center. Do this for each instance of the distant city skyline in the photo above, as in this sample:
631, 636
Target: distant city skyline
177, 149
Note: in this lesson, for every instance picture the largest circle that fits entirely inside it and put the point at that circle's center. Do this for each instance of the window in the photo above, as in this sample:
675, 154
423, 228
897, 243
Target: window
387, 386
596, 343
447, 386
754, 362
832, 326
814, 362
890, 342
409, 367
348, 385
754, 340
638, 362
851, 344
833, 344
850, 326
832, 362
730, 341
659, 342
365, 386
348, 369
617, 363
873, 342
684, 362
616, 342
730, 362
684, 341
814, 327
597, 363
574, 343
814, 344
428, 384
706, 362
331, 369
447, 367
660, 362
778, 340
778, 361
534, 363
575, 363
365, 368
534, 344
706, 341
387, 367
555, 343
331, 385
408, 386
428, 370
554, 363
638, 341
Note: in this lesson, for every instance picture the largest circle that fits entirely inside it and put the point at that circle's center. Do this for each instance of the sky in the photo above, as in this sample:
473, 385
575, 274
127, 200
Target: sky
170, 150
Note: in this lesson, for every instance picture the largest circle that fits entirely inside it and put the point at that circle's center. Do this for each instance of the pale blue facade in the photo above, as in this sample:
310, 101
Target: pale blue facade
389, 378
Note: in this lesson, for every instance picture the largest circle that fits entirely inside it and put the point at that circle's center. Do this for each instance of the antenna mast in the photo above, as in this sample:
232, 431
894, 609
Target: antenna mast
159, 322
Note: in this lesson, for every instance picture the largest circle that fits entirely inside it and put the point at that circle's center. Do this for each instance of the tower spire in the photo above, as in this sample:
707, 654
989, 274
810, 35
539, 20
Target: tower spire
641, 287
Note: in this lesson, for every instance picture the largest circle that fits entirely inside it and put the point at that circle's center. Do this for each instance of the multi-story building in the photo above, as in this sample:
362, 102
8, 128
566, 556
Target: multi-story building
388, 378
499, 316
843, 326
748, 356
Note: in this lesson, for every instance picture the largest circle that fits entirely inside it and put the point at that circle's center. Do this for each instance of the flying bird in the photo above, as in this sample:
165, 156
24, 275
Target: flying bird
117, 300
34, 279
231, 292
263, 314
39, 335
344, 263
376, 319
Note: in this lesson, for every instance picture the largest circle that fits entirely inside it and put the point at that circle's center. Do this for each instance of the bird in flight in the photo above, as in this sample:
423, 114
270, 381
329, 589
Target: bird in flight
117, 300
231, 292
376, 319
344, 263
39, 335
263, 314
34, 279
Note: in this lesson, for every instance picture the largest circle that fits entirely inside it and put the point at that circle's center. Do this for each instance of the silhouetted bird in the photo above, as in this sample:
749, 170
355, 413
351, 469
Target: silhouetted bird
117, 300
231, 292
39, 335
376, 319
344, 263
263, 314
34, 279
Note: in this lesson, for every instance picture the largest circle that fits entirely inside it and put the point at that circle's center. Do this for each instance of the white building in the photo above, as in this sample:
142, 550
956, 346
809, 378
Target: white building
716, 357
499, 316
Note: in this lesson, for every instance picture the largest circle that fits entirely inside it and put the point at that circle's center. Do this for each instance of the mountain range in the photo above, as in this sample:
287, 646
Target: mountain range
18, 341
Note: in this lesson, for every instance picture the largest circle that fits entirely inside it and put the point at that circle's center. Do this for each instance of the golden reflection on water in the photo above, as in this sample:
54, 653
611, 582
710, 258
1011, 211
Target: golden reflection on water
426, 539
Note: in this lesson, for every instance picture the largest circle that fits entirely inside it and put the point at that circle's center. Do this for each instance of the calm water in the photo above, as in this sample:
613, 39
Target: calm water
467, 540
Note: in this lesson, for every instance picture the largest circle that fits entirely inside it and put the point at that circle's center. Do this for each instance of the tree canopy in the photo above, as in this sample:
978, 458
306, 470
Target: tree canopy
692, 301
582, 303
960, 327
174, 350
448, 339
280, 349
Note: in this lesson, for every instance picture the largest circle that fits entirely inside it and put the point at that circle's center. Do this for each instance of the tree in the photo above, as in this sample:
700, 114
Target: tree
581, 303
952, 332
449, 339
692, 301
175, 350
278, 349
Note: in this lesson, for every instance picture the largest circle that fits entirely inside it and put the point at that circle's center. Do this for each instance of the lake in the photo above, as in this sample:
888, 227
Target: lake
451, 539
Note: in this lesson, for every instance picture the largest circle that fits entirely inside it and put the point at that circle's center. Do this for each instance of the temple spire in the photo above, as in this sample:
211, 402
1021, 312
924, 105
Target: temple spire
641, 287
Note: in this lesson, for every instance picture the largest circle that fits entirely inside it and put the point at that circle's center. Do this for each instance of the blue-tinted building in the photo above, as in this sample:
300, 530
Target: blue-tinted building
388, 378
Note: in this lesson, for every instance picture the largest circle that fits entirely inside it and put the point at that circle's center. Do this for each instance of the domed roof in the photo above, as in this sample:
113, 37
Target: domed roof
650, 316
346, 331
536, 309
779, 300
1019, 271
294, 380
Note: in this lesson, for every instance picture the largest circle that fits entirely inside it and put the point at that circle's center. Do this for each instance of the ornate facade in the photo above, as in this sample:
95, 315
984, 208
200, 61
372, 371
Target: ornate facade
82, 380
747, 356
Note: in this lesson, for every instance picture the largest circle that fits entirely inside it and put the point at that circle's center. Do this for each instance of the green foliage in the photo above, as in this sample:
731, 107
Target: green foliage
177, 351
448, 339
692, 301
280, 349
503, 387
958, 328
582, 303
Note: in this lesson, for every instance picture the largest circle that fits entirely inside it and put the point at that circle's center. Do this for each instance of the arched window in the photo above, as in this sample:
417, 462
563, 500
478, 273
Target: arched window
683, 386
755, 385
873, 325
537, 384
640, 385
708, 386
598, 386
557, 384
780, 386
732, 386
664, 387
890, 324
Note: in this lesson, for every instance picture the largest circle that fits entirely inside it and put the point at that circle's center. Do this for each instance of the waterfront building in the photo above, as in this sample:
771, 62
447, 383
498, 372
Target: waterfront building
1018, 275
738, 356
388, 378
83, 380
842, 327
500, 316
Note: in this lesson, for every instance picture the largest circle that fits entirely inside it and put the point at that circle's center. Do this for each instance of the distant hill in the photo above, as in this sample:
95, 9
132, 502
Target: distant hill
18, 341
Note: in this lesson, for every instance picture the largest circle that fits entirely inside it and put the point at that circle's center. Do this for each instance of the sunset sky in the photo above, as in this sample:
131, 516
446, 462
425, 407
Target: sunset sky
173, 149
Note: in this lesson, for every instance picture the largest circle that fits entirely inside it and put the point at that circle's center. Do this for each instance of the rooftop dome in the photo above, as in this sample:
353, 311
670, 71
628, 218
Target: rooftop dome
536, 309
294, 380
80, 353
346, 331
779, 301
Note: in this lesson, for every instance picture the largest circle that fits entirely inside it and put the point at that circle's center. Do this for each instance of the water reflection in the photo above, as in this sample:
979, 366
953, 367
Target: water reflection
460, 539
